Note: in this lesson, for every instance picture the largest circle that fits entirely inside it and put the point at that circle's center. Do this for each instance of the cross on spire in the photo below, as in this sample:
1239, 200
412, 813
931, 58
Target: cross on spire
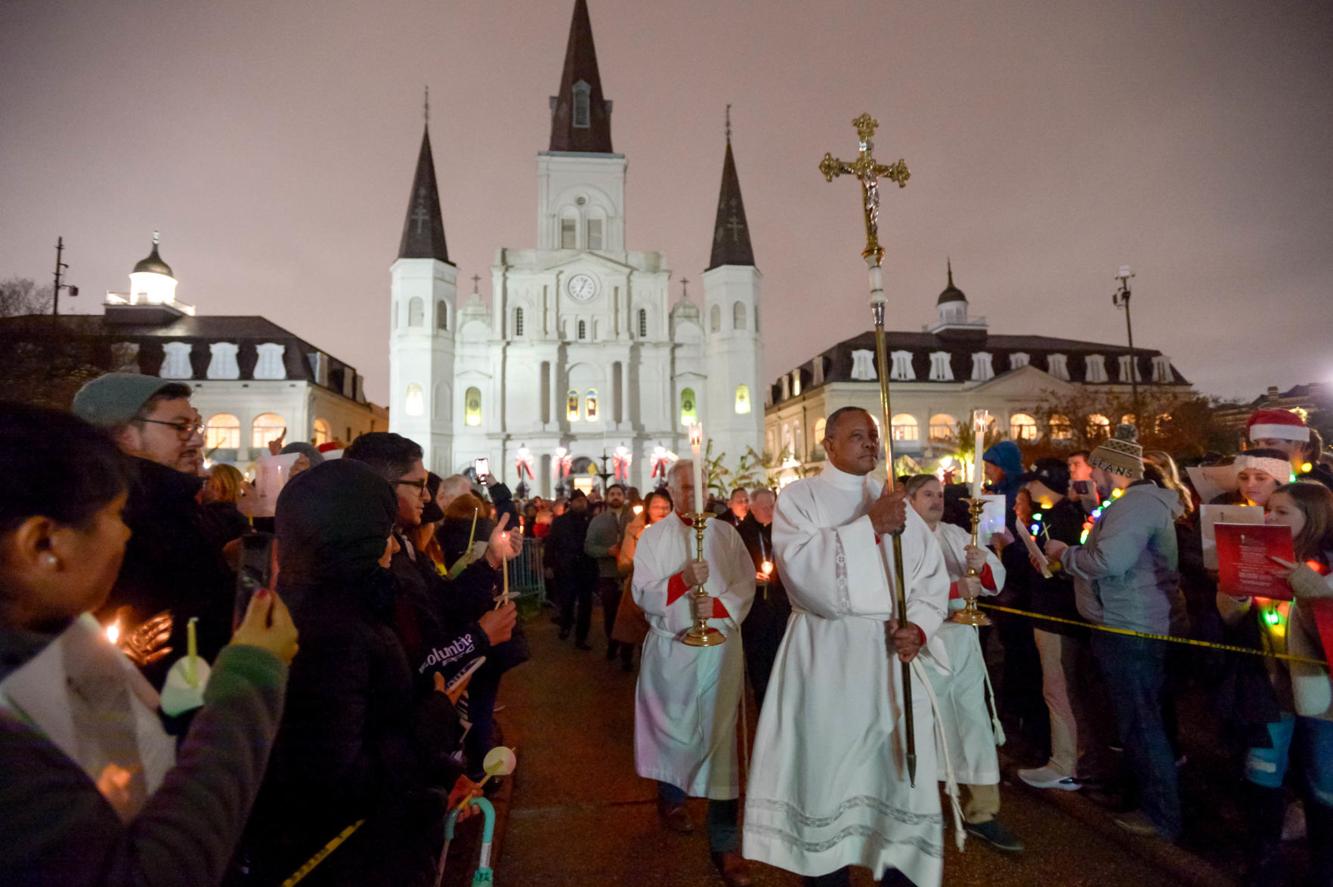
476, 280
427, 108
728, 123
731, 232
423, 227
684, 289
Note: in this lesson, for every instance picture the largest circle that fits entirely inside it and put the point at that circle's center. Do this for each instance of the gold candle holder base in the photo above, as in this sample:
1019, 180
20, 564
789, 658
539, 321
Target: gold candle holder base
701, 634
970, 615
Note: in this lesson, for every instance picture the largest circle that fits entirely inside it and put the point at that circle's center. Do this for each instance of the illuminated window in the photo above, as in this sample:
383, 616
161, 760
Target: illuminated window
1022, 427
223, 432
572, 406
323, 432
266, 427
689, 407
594, 234
1061, 427
905, 427
568, 233
943, 428
643, 323
742, 400
738, 315
416, 312
590, 405
518, 321
582, 105
414, 402
902, 366
1098, 426
821, 427
472, 407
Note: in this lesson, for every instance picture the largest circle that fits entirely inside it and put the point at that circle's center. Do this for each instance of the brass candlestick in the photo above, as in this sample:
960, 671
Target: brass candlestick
970, 615
700, 634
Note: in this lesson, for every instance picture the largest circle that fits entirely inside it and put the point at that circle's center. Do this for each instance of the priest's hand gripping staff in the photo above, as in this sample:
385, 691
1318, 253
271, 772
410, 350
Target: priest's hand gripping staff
868, 171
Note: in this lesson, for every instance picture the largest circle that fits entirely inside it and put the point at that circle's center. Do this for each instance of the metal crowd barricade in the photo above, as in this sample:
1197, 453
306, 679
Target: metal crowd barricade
525, 576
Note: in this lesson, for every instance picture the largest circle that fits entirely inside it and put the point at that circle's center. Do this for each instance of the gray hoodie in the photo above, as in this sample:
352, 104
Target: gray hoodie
1125, 575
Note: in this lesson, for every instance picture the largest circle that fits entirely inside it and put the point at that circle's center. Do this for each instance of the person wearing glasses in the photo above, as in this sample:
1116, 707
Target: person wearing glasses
171, 571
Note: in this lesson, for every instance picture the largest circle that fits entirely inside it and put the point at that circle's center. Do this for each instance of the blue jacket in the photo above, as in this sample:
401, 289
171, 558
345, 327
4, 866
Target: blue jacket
1006, 455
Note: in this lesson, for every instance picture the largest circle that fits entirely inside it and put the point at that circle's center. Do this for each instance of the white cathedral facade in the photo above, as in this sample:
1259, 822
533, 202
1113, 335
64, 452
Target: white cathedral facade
581, 353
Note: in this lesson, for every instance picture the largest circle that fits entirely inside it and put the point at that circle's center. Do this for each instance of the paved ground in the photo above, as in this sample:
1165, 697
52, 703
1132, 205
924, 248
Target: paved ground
580, 816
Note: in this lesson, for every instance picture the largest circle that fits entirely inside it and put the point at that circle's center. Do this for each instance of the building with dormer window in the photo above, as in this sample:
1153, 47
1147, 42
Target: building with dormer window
942, 373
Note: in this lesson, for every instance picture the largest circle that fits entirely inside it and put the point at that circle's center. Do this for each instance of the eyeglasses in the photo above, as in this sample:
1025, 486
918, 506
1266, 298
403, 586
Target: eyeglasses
419, 484
184, 430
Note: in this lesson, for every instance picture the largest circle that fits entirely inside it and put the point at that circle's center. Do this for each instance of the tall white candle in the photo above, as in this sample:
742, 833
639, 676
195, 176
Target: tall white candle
979, 420
696, 448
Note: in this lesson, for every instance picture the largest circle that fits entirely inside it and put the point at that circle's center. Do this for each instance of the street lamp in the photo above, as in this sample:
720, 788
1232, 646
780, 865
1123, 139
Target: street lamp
1121, 300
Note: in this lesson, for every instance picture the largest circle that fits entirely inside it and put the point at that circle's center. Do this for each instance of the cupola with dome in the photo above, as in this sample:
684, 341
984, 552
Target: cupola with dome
152, 286
953, 320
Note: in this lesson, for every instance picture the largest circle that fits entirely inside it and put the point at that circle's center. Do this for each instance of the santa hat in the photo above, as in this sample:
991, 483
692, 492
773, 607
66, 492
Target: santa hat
1120, 454
1278, 469
1276, 425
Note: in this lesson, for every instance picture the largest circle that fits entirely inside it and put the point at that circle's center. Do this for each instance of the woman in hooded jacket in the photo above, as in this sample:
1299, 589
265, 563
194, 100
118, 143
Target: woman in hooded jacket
347, 752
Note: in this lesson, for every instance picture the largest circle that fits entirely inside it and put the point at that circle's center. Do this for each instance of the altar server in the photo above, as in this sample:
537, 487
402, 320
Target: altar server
829, 785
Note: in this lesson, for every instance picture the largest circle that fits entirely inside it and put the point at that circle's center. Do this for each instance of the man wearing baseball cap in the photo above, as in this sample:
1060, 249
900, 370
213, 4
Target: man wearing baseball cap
170, 566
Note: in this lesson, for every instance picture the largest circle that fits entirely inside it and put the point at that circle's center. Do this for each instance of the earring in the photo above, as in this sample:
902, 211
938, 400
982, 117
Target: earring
50, 560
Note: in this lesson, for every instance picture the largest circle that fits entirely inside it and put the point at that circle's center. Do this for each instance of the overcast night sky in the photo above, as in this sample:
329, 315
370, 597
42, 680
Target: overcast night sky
1049, 142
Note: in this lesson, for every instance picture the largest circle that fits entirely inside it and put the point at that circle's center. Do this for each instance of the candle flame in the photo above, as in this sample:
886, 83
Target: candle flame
638, 509
113, 631
766, 567
696, 436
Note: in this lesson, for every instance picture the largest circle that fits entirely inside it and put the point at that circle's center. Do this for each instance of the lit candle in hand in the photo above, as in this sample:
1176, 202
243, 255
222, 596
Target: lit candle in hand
766, 568
696, 448
979, 420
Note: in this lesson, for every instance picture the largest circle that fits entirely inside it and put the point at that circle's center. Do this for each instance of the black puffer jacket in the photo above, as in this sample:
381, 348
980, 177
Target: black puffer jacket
346, 750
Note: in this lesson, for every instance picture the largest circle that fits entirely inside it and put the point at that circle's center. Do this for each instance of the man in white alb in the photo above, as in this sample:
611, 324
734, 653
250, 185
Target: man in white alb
967, 722
687, 698
829, 785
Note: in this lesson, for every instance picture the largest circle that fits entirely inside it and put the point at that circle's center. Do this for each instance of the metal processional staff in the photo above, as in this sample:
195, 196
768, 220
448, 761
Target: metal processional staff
868, 171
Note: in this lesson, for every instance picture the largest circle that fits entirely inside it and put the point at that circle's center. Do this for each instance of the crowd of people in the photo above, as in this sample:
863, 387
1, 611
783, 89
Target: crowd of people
333, 669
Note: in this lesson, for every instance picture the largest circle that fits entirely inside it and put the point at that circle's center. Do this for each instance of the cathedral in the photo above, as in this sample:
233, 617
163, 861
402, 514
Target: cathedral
581, 362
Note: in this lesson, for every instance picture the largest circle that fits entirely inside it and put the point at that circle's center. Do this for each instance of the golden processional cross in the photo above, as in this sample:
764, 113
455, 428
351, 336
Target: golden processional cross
868, 172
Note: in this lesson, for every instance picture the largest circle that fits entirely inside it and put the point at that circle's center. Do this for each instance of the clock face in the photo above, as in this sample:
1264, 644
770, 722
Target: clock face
582, 287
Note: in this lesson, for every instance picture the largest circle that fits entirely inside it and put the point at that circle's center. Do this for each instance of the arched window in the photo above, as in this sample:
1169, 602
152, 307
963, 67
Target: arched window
569, 233
223, 432
1022, 427
266, 427
323, 432
442, 314
582, 105
715, 319
821, 427
518, 321
742, 399
643, 323
414, 402
472, 407
943, 428
689, 407
594, 234
590, 405
905, 427
1061, 427
738, 315
1098, 426
583, 330
416, 312
572, 406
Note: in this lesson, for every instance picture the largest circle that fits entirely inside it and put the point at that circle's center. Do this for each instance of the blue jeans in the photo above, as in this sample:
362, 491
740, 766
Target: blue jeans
1135, 674
724, 834
1313, 740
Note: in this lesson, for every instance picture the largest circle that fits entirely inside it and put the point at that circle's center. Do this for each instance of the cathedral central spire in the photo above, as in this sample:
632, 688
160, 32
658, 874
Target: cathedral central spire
423, 229
580, 114
731, 233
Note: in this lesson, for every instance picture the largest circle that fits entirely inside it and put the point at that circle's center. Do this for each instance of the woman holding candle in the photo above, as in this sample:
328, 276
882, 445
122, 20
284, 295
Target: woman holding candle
92, 792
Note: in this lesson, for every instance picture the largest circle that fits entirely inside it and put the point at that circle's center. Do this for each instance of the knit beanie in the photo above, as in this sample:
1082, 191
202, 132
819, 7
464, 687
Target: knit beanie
1276, 425
1120, 454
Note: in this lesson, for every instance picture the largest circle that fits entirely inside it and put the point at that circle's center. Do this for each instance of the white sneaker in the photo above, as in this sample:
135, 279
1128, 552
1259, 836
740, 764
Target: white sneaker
1048, 777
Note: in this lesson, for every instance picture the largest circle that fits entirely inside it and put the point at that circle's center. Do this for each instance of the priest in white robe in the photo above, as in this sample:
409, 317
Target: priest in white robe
688, 698
829, 785
968, 723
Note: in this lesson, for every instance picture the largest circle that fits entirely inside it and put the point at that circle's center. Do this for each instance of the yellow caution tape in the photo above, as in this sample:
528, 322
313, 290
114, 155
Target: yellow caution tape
1126, 632
324, 851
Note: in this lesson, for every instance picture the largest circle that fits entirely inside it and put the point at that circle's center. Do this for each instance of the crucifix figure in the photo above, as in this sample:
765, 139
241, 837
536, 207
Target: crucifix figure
868, 171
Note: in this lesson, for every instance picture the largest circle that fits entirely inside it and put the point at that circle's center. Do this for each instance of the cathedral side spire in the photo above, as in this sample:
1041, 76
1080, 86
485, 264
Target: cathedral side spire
423, 229
731, 232
580, 114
